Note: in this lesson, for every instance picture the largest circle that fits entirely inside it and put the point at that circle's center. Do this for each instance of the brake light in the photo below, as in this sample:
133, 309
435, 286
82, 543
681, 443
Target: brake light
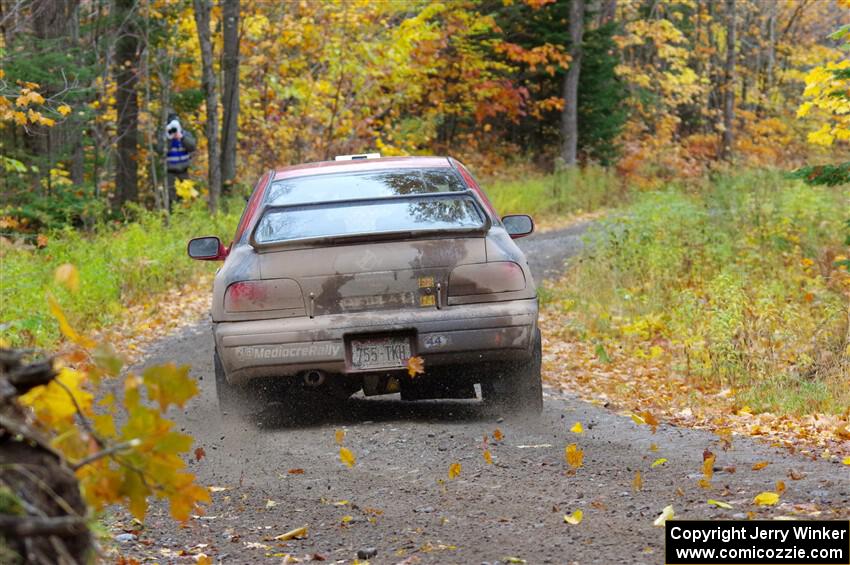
486, 279
271, 294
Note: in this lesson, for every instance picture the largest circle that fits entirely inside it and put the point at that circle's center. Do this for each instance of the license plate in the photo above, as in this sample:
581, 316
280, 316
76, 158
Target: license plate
380, 352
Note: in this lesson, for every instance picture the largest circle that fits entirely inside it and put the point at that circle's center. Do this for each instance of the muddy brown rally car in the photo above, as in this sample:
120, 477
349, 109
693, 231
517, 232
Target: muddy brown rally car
340, 272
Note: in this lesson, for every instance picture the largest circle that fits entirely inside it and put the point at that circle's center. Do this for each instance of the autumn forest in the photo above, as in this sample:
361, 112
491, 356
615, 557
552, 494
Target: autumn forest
656, 90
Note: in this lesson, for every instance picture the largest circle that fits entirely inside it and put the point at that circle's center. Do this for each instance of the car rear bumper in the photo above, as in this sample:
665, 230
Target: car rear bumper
472, 333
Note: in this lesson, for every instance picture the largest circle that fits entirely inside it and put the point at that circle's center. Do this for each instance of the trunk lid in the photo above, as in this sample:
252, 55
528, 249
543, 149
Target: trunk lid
376, 276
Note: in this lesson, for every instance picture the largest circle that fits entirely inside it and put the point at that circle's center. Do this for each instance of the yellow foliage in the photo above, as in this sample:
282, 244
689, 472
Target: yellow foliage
141, 459
68, 276
54, 404
827, 92
185, 189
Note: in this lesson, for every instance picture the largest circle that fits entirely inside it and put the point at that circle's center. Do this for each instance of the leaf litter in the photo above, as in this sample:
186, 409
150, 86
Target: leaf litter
645, 389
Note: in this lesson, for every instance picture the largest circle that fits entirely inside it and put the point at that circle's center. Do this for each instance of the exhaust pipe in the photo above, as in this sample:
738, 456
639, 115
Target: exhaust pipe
314, 378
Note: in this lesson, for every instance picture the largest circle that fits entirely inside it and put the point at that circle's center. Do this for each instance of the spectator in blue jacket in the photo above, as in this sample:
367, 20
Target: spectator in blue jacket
178, 147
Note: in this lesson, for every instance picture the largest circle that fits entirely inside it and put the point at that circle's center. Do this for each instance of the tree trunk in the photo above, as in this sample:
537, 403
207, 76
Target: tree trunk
202, 22
729, 85
569, 117
771, 47
230, 94
127, 104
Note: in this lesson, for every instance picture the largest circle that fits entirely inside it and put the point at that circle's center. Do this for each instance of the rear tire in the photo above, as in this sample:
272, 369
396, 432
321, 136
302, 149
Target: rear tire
233, 400
517, 386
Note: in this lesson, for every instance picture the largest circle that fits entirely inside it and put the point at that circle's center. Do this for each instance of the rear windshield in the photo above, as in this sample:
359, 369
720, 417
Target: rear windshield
367, 184
329, 220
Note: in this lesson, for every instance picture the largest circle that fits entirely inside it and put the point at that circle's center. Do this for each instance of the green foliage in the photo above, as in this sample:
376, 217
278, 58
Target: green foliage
119, 263
601, 112
824, 175
65, 206
601, 108
187, 102
736, 279
558, 194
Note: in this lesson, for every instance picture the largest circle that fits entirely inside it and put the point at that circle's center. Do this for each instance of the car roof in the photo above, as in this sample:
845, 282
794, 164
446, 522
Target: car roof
356, 165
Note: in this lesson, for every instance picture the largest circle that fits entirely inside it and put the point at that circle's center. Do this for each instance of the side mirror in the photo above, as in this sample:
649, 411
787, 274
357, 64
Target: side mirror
518, 225
207, 249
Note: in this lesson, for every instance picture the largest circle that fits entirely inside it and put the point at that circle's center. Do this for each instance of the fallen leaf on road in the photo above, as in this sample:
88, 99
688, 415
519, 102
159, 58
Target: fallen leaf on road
720, 504
297, 533
638, 420
514, 560
346, 456
341, 503
454, 470
708, 467
574, 518
653, 447
347, 519
498, 435
657, 462
780, 487
577, 428
666, 514
574, 455
760, 465
846, 460
637, 482
487, 457
271, 504
203, 559
650, 420
199, 453
725, 435
296, 471
795, 475
766, 499
339, 435
842, 432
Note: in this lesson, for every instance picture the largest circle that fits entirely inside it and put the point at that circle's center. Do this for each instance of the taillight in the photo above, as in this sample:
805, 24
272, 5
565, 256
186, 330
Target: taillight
482, 279
256, 296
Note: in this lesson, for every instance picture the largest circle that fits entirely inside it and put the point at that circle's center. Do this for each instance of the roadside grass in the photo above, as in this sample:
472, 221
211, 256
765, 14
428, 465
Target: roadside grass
732, 285
558, 194
118, 265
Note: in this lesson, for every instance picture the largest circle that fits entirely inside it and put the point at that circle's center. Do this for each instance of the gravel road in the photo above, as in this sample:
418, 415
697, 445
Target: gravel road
399, 502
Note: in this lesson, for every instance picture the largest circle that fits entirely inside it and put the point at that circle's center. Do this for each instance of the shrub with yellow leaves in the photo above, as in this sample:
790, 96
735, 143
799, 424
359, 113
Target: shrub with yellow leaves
117, 440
